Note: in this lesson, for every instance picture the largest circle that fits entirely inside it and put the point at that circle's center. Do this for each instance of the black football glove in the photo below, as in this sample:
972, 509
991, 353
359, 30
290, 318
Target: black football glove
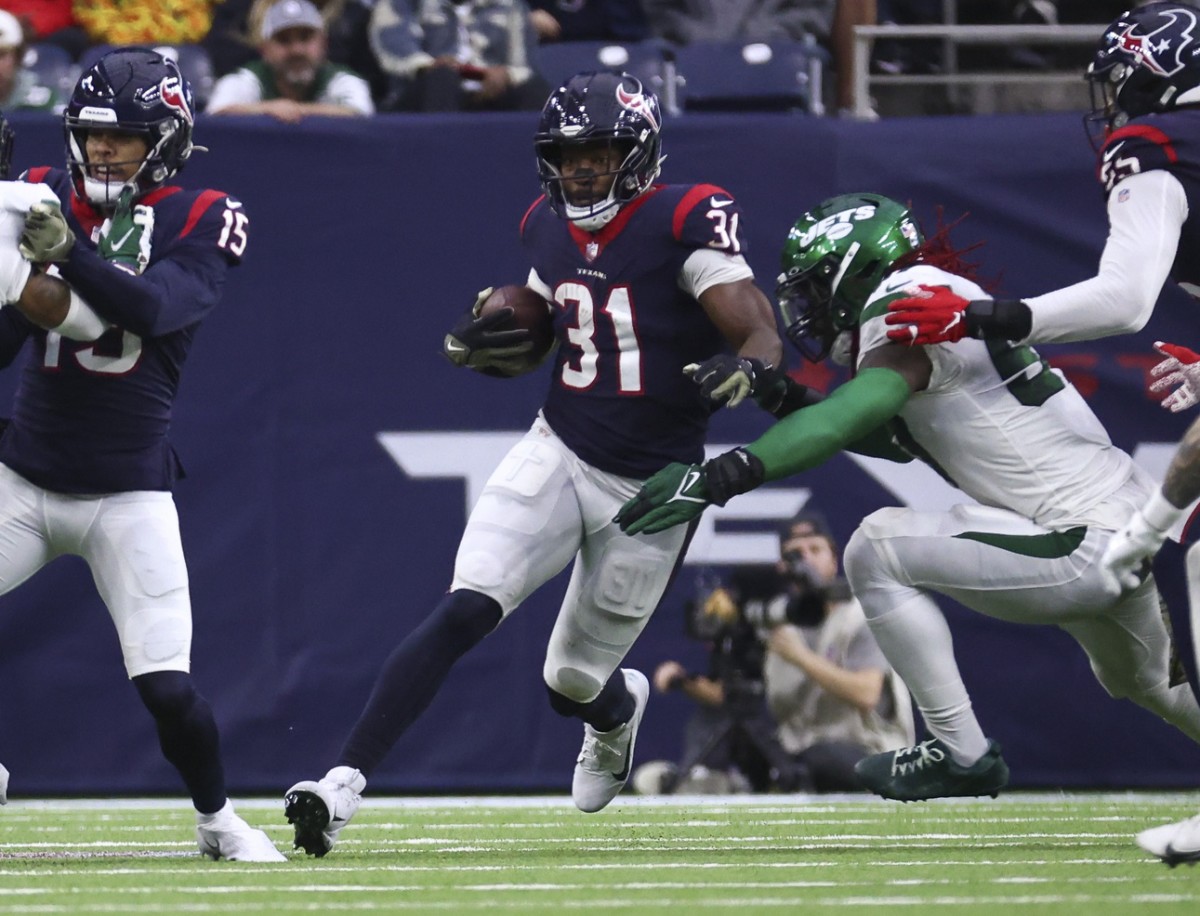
476, 343
726, 379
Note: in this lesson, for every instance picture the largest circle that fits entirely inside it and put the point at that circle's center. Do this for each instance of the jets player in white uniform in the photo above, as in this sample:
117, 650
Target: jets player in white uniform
995, 419
1145, 80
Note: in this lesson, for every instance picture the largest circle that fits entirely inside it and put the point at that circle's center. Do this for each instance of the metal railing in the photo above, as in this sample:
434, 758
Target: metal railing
954, 35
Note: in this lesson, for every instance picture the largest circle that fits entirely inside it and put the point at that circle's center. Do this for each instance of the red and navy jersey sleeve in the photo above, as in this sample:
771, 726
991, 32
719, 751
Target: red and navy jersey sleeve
709, 217
197, 236
205, 220
1137, 147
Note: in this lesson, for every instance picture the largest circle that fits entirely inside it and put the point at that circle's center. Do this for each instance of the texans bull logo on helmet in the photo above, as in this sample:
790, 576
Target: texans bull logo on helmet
641, 104
173, 96
1161, 56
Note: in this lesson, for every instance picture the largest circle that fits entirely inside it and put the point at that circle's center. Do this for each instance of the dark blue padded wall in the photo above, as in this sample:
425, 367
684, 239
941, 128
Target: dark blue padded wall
312, 552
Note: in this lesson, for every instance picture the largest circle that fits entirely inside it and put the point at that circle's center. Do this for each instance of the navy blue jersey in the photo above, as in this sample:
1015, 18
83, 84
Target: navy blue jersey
93, 417
1168, 141
618, 396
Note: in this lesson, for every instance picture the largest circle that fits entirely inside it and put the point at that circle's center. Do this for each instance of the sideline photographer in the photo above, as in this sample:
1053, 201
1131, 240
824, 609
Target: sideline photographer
829, 687
799, 640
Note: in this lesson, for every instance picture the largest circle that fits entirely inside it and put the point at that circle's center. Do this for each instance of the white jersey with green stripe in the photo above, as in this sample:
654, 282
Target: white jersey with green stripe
1002, 425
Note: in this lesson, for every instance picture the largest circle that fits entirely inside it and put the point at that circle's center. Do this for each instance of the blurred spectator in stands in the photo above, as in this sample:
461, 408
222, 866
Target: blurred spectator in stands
588, 20
293, 79
442, 55
19, 87
237, 29
49, 21
831, 22
908, 56
144, 22
685, 21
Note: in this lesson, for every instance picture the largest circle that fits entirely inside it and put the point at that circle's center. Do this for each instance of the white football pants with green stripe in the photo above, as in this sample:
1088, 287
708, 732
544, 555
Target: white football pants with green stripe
1003, 565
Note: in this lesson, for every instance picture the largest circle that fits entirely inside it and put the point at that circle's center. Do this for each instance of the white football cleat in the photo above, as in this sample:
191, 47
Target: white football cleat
224, 835
320, 809
1173, 843
3, 784
604, 762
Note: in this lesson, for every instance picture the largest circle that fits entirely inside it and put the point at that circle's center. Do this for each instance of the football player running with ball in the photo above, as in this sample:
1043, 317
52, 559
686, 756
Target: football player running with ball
85, 465
644, 280
1145, 79
1009, 431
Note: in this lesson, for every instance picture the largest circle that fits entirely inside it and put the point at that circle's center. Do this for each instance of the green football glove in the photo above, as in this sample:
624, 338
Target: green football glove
125, 236
46, 236
680, 492
676, 494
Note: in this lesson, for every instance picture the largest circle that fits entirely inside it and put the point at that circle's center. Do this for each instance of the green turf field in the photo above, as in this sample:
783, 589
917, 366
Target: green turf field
1021, 854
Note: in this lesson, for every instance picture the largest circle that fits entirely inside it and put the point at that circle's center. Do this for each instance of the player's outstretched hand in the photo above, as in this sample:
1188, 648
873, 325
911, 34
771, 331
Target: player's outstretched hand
477, 343
676, 494
1181, 371
46, 236
1126, 561
725, 378
934, 315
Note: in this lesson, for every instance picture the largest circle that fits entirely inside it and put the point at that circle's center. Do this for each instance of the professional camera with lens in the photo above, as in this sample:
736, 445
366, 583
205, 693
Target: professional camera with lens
800, 599
718, 616
758, 598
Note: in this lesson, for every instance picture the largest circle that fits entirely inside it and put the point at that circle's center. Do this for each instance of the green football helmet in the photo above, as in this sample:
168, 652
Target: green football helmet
835, 256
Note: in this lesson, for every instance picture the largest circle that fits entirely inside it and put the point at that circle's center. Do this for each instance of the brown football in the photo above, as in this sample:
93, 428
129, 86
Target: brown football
530, 312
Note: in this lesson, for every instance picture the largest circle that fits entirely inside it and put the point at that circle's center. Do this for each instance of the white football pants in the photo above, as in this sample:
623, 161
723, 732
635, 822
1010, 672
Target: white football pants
541, 508
1001, 564
131, 543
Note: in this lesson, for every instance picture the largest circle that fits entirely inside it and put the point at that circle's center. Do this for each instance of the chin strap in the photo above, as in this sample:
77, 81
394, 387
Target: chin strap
591, 221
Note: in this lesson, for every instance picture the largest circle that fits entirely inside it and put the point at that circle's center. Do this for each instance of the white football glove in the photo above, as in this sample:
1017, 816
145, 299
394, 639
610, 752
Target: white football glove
1180, 368
1126, 561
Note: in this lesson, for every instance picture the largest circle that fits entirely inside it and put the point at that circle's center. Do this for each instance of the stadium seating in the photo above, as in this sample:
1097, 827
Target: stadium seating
650, 61
751, 76
53, 68
196, 67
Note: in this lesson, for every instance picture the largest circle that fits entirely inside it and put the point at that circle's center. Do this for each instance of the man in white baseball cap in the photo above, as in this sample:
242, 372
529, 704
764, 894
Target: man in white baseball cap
291, 14
294, 78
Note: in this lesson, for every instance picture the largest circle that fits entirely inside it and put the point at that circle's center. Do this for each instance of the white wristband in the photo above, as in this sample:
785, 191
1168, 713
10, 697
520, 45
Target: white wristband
1159, 513
81, 323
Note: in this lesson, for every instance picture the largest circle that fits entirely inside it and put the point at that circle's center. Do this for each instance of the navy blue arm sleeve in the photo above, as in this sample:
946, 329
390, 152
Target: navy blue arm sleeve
176, 291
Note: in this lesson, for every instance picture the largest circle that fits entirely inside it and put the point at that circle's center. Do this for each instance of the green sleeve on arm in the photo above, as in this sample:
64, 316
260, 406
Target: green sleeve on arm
880, 443
810, 436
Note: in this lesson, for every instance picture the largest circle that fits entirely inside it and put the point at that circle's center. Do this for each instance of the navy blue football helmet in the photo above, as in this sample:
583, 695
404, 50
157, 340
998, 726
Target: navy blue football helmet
1148, 61
596, 107
6, 146
137, 91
